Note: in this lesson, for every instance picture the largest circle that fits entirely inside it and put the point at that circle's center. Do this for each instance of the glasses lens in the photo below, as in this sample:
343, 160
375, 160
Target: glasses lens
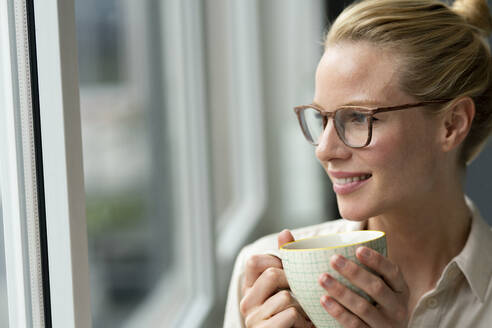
352, 126
313, 124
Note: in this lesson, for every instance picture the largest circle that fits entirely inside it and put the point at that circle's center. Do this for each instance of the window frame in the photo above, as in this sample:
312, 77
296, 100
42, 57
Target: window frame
15, 237
22, 189
247, 115
62, 162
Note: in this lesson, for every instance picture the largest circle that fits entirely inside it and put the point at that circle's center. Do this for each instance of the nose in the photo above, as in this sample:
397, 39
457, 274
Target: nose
330, 146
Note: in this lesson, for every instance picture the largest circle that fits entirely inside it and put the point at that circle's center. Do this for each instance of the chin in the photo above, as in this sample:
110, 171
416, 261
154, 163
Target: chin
356, 211
355, 217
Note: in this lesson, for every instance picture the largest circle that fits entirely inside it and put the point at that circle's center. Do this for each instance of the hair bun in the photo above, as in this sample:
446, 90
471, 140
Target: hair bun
476, 13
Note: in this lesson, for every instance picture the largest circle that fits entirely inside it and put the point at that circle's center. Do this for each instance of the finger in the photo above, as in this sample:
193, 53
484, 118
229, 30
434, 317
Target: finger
280, 302
390, 272
268, 283
284, 237
288, 318
352, 301
341, 314
256, 265
273, 305
371, 284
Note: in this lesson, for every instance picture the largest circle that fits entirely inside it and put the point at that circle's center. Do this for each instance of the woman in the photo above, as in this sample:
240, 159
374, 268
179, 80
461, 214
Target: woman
402, 101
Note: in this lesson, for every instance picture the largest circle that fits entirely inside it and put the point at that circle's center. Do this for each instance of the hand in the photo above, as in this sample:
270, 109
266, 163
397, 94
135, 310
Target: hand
390, 292
267, 301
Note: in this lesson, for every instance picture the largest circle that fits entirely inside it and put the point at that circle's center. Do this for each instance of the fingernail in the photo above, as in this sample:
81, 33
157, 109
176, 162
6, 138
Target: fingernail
365, 253
327, 301
340, 262
327, 281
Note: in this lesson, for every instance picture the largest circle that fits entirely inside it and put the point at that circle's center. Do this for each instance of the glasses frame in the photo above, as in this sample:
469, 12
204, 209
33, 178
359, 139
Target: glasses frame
362, 109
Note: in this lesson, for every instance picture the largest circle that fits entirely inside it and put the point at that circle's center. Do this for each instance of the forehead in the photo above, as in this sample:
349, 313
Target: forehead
358, 73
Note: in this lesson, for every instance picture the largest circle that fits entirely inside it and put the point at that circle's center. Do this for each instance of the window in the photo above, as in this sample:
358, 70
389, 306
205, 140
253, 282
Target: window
127, 170
142, 138
164, 152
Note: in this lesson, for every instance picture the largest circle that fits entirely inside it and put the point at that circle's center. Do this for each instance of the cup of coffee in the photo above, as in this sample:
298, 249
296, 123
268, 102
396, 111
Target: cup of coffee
305, 260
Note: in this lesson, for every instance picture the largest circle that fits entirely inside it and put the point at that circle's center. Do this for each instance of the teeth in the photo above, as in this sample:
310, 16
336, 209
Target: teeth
342, 181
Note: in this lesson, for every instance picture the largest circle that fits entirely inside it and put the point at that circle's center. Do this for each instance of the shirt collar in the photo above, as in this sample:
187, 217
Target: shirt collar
355, 225
475, 260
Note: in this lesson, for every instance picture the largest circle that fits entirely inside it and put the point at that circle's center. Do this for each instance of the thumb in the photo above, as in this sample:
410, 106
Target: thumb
284, 237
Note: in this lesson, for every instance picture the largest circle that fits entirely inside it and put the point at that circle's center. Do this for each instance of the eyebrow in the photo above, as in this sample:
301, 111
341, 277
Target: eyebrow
365, 103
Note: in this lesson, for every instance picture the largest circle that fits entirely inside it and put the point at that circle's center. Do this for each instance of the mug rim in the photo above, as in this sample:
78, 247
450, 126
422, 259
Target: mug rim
383, 234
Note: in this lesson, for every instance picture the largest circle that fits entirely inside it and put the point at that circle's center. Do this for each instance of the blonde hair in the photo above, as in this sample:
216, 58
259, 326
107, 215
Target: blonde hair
444, 51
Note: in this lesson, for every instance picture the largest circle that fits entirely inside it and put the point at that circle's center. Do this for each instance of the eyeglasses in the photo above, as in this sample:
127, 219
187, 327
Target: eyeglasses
352, 123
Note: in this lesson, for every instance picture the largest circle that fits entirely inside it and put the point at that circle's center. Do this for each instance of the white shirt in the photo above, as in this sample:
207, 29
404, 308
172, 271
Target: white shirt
462, 296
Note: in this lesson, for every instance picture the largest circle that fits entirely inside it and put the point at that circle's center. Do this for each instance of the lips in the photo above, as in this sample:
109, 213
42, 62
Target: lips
344, 181
348, 182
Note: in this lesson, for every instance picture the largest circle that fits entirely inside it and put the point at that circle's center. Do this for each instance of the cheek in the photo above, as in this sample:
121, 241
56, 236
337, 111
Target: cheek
404, 166
384, 155
405, 162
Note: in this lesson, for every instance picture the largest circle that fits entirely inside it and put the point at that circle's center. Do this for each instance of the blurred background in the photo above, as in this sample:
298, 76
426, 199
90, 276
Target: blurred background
192, 150
251, 62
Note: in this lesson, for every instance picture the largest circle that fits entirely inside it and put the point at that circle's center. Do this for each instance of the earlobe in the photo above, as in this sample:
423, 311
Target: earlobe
457, 122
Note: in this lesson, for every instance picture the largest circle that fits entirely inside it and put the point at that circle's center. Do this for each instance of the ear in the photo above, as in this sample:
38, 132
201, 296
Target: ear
457, 122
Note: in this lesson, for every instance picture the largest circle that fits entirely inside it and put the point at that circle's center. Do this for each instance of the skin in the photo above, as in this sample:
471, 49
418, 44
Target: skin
266, 301
415, 196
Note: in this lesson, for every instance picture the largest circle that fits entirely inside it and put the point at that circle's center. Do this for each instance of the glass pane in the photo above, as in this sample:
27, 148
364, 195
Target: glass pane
128, 195
4, 311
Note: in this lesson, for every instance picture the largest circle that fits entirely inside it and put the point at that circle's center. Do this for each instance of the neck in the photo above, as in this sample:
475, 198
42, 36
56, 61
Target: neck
424, 237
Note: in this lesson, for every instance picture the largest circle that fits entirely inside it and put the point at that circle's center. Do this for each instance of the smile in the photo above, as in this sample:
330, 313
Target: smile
344, 181
347, 185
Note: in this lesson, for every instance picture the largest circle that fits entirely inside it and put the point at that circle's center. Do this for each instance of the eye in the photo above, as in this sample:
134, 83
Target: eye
357, 117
